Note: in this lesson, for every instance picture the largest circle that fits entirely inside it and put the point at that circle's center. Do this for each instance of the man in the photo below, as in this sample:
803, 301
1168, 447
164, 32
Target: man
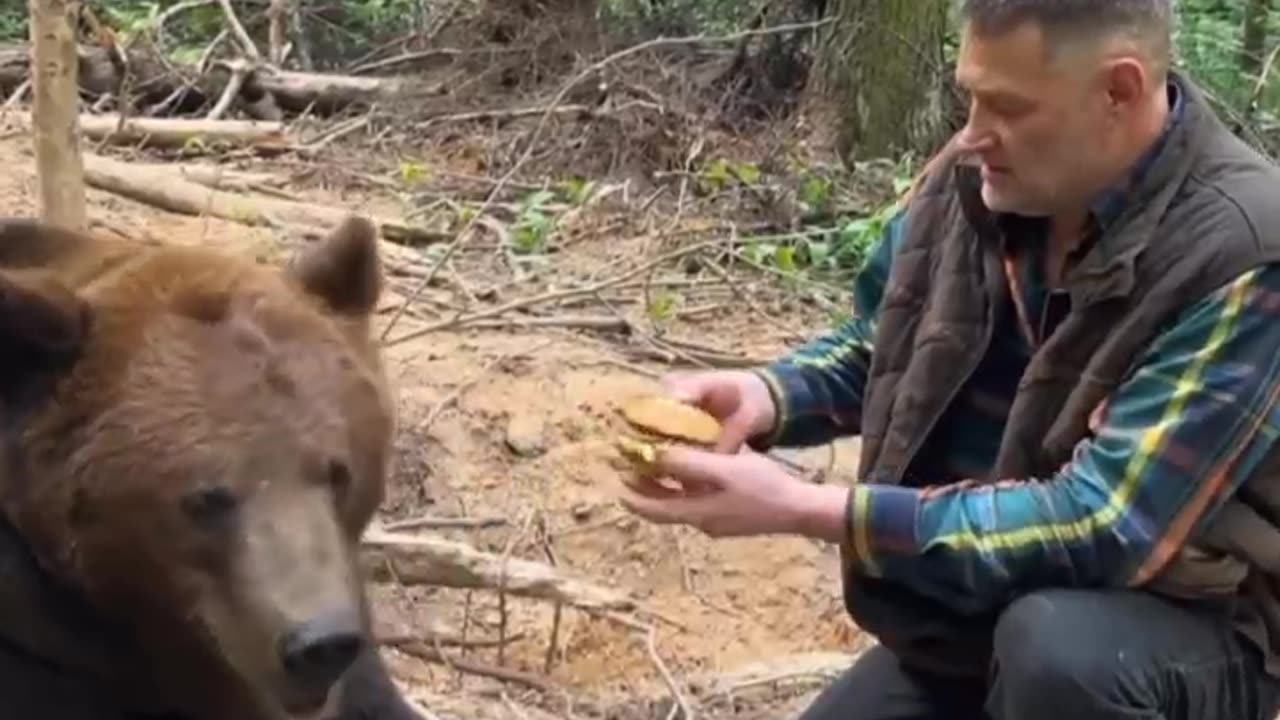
1064, 367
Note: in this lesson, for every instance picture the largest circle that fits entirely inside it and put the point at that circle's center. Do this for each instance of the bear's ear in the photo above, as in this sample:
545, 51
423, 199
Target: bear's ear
343, 269
31, 243
43, 329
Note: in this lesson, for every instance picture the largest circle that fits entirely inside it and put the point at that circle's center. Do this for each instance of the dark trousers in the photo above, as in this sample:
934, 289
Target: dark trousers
1074, 655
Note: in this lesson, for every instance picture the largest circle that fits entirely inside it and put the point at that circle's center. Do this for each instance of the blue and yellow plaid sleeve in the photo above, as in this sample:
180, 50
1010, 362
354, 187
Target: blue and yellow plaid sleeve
1176, 440
818, 387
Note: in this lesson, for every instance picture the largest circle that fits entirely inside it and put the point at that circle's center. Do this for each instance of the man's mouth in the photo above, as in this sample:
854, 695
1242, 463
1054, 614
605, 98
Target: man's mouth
994, 172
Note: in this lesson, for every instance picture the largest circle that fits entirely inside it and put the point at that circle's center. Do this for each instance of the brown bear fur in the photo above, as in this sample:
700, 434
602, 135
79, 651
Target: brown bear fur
191, 445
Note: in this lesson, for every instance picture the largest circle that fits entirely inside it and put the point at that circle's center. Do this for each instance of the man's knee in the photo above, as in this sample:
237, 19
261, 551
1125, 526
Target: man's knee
1051, 661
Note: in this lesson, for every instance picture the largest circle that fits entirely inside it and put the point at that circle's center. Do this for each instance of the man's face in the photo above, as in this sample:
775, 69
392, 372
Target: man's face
1039, 125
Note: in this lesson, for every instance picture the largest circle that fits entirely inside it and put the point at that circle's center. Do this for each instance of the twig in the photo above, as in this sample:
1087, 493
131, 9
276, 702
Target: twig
423, 651
238, 30
422, 559
277, 47
546, 297
502, 584
342, 130
18, 93
206, 57
651, 643
542, 122
397, 641
515, 709
686, 574
1261, 83
701, 358
430, 522
502, 114
240, 71
790, 333
576, 322
409, 57
544, 536
647, 337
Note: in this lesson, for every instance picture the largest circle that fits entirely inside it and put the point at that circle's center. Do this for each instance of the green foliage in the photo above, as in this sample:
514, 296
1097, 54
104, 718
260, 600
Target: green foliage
831, 251
1209, 44
674, 17
662, 305
576, 190
720, 174
533, 223
414, 173
337, 31
13, 22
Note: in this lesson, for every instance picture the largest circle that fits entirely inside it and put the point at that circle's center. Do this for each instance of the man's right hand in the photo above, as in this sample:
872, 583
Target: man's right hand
739, 399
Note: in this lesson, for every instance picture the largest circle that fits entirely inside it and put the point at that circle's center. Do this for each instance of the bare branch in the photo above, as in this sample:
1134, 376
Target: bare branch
241, 35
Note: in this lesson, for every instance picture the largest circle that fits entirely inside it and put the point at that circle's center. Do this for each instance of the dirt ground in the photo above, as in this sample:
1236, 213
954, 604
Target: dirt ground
523, 438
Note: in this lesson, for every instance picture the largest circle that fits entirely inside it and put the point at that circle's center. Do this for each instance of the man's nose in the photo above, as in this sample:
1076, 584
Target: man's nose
973, 138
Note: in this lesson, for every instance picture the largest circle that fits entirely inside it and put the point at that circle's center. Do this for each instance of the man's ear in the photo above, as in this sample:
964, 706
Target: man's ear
44, 326
343, 269
1127, 83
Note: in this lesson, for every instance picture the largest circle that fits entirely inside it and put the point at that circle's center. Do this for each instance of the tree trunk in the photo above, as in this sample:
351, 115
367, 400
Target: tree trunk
1254, 37
56, 114
881, 65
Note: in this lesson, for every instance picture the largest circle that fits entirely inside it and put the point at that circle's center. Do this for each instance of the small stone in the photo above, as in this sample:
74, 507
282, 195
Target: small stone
526, 435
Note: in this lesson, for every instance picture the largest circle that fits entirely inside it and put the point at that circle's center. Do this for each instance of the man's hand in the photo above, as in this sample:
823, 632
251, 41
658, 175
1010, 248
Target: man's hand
740, 400
737, 495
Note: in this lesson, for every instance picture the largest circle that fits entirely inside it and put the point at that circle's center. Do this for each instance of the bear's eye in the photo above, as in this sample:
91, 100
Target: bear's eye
210, 506
339, 476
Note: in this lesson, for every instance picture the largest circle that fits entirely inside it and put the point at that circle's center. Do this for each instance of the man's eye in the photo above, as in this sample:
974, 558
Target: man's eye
1007, 107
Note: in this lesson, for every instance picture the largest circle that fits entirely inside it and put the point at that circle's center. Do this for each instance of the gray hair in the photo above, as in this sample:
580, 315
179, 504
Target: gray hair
1148, 22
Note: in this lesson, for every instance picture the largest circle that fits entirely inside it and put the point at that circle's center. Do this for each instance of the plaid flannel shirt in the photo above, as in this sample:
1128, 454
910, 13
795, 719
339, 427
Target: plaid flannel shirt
1172, 443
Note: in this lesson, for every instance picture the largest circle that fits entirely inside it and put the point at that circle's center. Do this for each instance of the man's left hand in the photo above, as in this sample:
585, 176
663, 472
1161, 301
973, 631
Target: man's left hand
738, 494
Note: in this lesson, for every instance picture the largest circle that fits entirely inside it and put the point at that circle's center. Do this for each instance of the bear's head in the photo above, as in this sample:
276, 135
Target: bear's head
196, 442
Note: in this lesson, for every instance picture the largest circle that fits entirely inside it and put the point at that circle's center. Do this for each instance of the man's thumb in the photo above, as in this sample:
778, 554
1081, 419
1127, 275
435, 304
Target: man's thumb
682, 388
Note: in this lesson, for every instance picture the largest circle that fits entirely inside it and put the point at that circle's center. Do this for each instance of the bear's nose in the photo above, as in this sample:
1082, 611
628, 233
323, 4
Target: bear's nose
317, 652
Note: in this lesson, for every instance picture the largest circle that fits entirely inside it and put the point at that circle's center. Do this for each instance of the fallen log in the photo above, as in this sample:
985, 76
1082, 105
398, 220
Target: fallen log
153, 82
178, 132
220, 178
324, 92
168, 190
427, 560
98, 72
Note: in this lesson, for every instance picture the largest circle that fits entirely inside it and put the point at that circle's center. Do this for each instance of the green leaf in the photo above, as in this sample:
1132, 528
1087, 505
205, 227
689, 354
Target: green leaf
662, 305
785, 258
748, 173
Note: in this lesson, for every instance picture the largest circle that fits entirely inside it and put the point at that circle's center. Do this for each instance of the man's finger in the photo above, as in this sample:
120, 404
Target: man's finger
663, 511
653, 487
732, 435
692, 467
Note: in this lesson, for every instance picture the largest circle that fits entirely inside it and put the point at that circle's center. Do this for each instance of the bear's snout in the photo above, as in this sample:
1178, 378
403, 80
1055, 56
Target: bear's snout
317, 652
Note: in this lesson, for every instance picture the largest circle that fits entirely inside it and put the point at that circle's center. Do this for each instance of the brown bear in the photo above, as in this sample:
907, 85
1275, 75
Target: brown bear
191, 444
